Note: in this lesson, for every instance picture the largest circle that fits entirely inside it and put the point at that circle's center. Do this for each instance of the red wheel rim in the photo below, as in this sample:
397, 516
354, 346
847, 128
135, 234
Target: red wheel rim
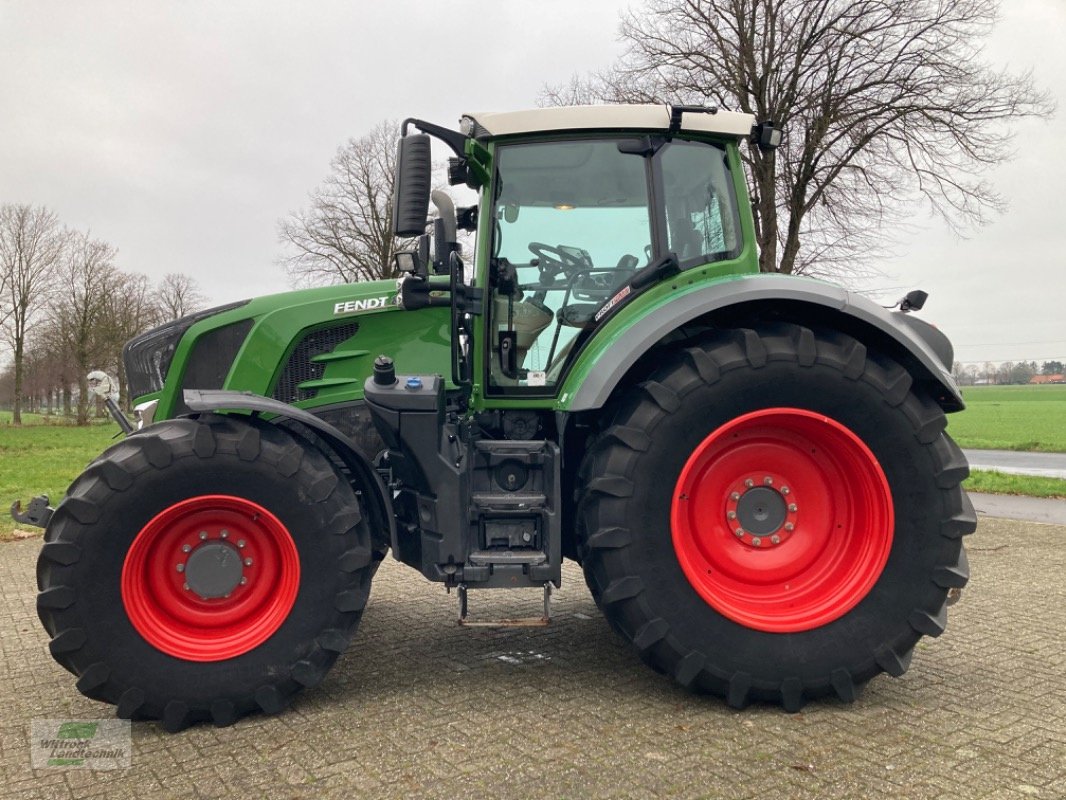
210, 578
782, 520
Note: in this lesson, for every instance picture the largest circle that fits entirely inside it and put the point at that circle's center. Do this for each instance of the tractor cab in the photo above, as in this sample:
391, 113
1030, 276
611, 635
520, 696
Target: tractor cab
574, 224
581, 210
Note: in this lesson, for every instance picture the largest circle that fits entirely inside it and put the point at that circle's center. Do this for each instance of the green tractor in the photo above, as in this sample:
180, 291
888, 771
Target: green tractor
751, 469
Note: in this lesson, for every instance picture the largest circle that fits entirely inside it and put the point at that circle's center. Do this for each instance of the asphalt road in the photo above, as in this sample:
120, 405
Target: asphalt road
1030, 509
1047, 465
418, 707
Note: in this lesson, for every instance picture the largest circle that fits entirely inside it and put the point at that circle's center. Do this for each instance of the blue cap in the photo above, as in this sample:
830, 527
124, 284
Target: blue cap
414, 383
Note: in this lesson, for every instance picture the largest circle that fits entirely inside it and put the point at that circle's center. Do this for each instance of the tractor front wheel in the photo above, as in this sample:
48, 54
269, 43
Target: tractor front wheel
204, 569
775, 515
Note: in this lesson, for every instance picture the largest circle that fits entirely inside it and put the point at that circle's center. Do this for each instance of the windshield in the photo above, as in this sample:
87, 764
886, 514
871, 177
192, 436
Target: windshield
583, 195
573, 224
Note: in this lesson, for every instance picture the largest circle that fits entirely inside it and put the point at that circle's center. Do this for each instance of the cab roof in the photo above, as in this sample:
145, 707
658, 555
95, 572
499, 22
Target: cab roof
602, 118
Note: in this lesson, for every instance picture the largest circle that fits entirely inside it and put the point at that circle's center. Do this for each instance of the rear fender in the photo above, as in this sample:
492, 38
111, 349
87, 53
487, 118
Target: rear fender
923, 350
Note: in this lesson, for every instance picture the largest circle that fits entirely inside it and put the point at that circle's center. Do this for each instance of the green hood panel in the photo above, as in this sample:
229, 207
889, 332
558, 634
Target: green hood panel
321, 341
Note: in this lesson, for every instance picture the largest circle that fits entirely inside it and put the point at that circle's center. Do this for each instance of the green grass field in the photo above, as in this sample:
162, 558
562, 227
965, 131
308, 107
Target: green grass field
1012, 418
41, 458
1006, 483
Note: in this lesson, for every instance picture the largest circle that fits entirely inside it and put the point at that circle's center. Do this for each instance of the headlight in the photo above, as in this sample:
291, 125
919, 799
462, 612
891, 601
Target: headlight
147, 357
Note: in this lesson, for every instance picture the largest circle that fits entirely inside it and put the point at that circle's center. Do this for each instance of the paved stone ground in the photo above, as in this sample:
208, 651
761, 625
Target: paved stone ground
418, 707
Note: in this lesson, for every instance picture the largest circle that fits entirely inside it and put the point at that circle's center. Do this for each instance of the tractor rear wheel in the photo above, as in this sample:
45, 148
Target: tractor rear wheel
204, 569
775, 515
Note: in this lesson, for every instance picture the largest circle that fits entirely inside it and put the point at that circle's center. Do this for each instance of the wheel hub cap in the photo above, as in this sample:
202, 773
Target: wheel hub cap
762, 510
214, 570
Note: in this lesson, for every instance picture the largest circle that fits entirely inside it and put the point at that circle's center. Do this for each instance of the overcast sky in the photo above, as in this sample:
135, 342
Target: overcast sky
182, 132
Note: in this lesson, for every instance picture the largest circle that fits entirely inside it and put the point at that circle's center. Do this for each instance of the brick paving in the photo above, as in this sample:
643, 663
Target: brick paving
421, 708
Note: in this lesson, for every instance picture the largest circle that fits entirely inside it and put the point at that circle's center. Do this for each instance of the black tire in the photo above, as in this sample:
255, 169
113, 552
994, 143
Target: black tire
628, 484
80, 568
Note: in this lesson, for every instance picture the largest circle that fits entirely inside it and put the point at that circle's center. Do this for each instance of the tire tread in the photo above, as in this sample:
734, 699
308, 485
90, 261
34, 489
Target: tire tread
606, 483
117, 470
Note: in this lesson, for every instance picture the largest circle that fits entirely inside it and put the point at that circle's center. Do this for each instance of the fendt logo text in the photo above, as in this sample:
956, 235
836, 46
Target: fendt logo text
349, 306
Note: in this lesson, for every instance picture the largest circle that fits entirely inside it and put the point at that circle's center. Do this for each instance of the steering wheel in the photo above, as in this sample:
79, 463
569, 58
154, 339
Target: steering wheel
553, 260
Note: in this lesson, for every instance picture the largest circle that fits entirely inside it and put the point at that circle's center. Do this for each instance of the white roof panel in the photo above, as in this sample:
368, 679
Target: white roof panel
608, 117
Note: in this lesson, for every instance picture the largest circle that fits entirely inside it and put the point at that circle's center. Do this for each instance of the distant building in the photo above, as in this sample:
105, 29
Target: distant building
1048, 379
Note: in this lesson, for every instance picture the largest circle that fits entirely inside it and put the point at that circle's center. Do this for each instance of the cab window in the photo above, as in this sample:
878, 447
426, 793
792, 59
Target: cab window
572, 222
702, 221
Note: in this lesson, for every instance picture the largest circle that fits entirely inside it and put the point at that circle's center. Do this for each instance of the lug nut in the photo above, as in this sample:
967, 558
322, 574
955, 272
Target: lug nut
224, 534
789, 526
247, 562
749, 483
785, 490
732, 515
181, 567
185, 587
793, 507
243, 581
768, 481
240, 543
203, 534
739, 532
185, 548
756, 541
775, 539
735, 496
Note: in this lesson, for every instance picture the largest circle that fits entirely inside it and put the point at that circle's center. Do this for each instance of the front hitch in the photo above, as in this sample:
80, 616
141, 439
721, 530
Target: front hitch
38, 514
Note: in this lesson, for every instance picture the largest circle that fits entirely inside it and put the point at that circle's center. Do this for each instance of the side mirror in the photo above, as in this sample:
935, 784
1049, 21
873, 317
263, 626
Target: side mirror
410, 200
102, 385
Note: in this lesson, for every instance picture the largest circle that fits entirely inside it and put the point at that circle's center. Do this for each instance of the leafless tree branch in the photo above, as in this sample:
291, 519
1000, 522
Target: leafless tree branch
346, 233
178, 295
888, 105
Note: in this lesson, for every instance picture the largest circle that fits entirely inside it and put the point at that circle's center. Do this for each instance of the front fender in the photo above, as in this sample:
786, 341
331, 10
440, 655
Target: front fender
922, 349
373, 488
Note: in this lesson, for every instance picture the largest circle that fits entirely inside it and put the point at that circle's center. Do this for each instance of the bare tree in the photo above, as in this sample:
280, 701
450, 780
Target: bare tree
885, 104
78, 314
346, 233
178, 295
31, 244
129, 309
